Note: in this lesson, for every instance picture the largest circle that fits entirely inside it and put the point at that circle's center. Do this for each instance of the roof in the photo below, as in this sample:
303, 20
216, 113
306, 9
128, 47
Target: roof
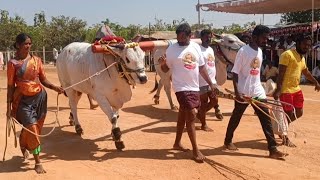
260, 6
161, 35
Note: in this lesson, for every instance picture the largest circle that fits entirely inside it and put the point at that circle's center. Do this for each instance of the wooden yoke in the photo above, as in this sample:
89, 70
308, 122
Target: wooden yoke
145, 45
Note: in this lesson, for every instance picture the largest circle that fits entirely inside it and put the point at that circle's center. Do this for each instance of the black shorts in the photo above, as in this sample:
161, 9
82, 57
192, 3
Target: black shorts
188, 100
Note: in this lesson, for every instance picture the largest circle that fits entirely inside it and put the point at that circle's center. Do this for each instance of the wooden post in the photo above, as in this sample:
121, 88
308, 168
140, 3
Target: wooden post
312, 35
198, 9
44, 55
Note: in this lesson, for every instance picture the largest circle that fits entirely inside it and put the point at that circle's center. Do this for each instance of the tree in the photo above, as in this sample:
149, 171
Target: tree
39, 19
91, 33
9, 28
300, 17
4, 16
63, 30
234, 28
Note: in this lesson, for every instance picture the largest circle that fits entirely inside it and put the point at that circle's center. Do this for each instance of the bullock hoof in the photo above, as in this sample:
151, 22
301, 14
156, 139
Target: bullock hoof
174, 108
79, 130
116, 134
71, 122
156, 99
119, 145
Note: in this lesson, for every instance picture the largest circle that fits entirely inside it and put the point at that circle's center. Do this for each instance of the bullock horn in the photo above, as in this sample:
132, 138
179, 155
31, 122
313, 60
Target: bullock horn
217, 35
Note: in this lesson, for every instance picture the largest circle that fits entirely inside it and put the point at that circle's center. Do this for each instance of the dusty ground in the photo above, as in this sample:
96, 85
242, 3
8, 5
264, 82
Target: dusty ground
149, 132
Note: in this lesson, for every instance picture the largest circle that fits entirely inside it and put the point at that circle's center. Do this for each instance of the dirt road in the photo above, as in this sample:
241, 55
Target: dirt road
149, 132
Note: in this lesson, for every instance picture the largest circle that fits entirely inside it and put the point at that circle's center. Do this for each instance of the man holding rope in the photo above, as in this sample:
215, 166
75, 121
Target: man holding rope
291, 65
247, 85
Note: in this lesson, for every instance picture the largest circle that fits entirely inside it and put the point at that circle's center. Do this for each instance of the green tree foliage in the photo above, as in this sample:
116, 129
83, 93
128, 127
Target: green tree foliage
300, 17
62, 30
91, 33
39, 19
9, 28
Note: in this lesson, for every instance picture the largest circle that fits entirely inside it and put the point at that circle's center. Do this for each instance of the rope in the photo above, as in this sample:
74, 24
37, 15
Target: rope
274, 103
95, 74
6, 141
57, 112
50, 132
10, 124
10, 120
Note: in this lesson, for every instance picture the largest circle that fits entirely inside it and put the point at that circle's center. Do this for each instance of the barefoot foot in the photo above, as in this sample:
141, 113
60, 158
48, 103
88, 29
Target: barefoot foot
39, 169
218, 114
206, 128
198, 157
25, 153
231, 147
179, 147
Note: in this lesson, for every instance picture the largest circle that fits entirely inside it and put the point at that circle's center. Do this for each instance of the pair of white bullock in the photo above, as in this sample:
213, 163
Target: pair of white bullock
110, 88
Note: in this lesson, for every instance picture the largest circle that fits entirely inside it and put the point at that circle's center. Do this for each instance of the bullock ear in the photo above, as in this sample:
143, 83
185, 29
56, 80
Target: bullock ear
217, 38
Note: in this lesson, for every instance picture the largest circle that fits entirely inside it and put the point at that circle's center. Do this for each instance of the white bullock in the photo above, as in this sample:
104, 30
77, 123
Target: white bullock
225, 48
111, 88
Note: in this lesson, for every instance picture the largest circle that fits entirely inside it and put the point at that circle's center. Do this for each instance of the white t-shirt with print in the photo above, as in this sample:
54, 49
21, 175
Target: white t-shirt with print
209, 60
184, 62
248, 67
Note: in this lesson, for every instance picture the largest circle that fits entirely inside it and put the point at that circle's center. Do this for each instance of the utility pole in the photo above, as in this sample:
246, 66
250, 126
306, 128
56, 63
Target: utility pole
198, 9
312, 34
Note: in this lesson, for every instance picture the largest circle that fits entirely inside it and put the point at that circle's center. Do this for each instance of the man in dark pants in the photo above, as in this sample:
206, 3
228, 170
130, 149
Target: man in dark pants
246, 81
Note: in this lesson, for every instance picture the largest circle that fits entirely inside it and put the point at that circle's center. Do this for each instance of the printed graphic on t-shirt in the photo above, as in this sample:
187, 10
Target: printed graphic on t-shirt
189, 61
255, 65
210, 60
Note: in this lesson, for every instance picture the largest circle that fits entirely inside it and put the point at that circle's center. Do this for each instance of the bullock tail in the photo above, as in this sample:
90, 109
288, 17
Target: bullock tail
156, 84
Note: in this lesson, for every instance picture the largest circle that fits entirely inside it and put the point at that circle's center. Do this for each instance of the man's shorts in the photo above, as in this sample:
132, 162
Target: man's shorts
188, 100
296, 99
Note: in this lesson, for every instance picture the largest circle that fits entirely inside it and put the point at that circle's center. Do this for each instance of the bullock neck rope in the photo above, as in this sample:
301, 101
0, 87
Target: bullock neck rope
105, 44
224, 59
121, 65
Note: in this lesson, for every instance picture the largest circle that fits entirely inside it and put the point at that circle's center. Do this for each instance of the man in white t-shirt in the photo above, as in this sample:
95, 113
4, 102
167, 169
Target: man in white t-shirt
55, 56
186, 62
205, 92
246, 81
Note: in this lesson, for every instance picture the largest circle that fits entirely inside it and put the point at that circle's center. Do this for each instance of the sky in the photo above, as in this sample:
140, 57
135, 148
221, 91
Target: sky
125, 12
